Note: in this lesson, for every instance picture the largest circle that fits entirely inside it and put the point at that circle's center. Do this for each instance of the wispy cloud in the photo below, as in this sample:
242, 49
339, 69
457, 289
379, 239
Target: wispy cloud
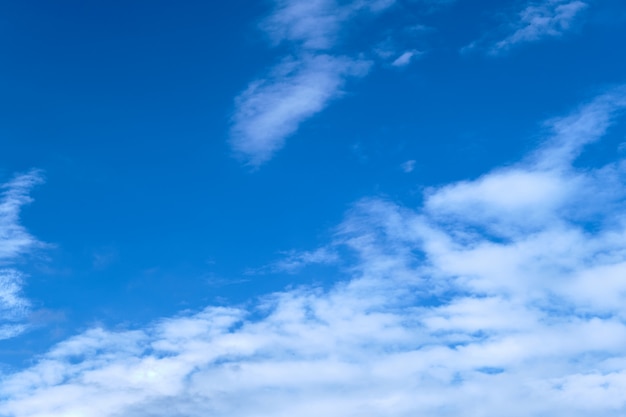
408, 166
536, 21
13, 307
316, 24
406, 58
294, 261
500, 295
272, 109
302, 84
15, 241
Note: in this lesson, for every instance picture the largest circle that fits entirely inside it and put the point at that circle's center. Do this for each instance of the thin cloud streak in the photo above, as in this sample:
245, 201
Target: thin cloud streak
295, 261
535, 22
406, 58
273, 108
315, 24
15, 241
550, 19
501, 295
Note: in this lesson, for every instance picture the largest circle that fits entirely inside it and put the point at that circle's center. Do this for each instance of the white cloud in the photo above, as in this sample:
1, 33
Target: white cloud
302, 85
313, 24
14, 239
316, 24
273, 108
13, 307
406, 58
14, 242
294, 261
503, 295
536, 21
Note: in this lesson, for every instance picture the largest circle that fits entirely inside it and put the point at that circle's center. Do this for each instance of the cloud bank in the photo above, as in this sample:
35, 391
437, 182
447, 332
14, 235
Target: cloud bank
500, 295
303, 83
15, 241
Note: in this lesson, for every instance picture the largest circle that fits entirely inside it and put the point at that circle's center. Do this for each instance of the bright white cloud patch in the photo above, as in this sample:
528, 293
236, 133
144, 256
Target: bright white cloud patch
503, 295
537, 21
14, 242
272, 108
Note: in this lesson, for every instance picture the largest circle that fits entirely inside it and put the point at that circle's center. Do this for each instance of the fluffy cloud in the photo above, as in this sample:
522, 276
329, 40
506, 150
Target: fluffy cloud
501, 295
15, 241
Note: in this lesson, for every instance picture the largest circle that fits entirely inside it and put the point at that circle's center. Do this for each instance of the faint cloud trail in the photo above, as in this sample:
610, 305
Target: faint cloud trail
535, 22
15, 241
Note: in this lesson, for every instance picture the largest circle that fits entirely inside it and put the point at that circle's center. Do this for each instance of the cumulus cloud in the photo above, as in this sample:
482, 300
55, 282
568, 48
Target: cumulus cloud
302, 84
536, 21
500, 295
15, 241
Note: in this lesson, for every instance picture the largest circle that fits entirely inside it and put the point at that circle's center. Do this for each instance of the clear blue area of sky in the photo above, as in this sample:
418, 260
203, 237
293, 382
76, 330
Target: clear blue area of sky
126, 107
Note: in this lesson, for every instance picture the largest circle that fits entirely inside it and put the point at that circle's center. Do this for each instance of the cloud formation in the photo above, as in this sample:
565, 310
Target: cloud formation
535, 22
272, 109
406, 58
303, 83
500, 295
316, 24
15, 241
295, 261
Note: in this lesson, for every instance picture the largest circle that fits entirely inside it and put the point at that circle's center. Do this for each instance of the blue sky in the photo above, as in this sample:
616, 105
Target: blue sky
321, 207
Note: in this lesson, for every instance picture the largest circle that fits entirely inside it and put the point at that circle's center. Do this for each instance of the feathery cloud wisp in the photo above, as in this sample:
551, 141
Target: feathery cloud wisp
536, 21
273, 108
14, 242
549, 19
406, 58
